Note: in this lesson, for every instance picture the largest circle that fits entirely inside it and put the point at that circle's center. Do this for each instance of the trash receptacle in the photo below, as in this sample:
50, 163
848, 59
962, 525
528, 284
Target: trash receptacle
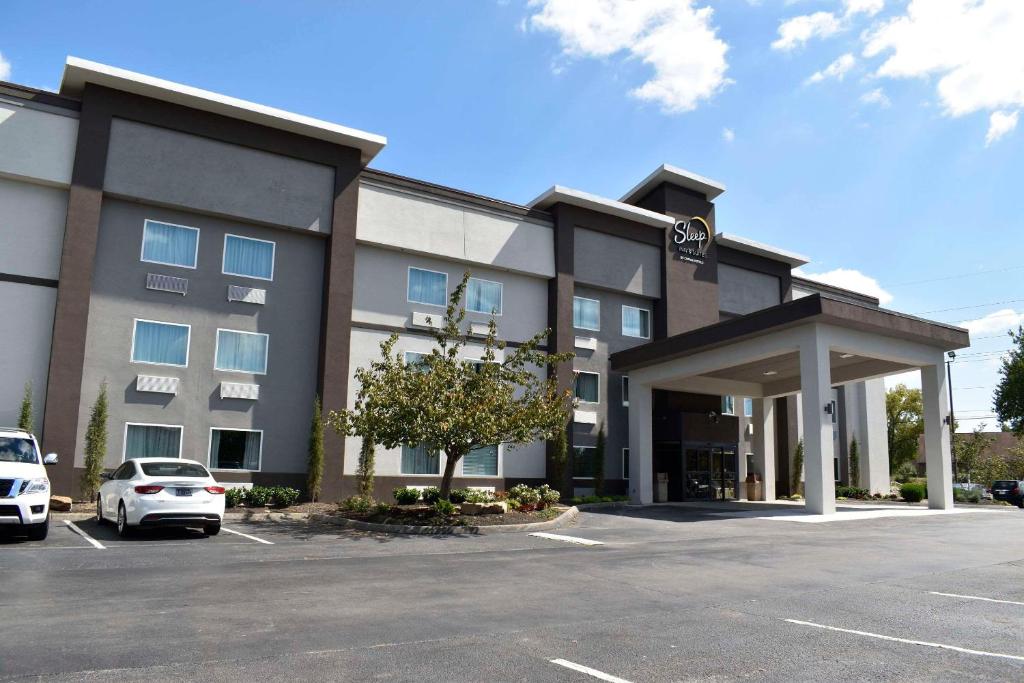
753, 486
661, 490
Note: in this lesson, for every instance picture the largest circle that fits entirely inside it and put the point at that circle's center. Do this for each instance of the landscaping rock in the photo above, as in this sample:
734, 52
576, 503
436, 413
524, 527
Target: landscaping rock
497, 508
473, 509
60, 504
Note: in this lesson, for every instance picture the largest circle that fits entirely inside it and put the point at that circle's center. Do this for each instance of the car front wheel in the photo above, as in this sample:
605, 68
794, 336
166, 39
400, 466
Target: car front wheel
99, 511
123, 530
38, 532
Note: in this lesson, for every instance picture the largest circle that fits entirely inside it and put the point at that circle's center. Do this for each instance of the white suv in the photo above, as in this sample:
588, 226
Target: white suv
24, 486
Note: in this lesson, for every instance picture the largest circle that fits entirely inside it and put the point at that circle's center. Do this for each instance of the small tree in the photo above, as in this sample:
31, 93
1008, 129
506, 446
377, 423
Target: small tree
798, 468
558, 457
366, 466
95, 445
1009, 395
968, 450
25, 416
854, 463
315, 469
904, 424
599, 449
448, 403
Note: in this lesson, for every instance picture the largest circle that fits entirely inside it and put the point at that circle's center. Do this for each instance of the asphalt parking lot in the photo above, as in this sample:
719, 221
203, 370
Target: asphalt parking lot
663, 594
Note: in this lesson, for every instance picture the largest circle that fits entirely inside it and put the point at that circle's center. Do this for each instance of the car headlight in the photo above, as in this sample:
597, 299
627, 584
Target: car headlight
41, 485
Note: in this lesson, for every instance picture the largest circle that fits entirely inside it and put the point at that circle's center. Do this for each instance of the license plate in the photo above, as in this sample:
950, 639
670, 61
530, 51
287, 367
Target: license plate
183, 492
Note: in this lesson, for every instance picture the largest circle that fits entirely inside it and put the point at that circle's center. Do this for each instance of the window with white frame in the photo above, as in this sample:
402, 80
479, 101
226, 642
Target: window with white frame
416, 359
169, 244
483, 296
235, 449
586, 313
584, 462
239, 351
625, 390
427, 287
625, 463
160, 343
636, 322
481, 462
588, 387
748, 407
248, 257
151, 441
420, 460
728, 405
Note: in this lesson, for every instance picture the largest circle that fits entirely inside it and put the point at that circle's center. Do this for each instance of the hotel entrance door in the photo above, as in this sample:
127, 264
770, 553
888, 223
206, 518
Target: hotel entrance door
710, 472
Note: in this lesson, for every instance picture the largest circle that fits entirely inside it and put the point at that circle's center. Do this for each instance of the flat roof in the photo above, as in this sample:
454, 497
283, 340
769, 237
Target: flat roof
558, 194
674, 175
760, 249
78, 72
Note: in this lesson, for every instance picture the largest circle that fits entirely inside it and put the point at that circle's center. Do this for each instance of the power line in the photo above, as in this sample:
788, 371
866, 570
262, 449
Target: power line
956, 277
963, 308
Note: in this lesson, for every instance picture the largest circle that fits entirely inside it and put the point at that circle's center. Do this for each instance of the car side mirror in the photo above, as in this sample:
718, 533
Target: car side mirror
50, 459
106, 475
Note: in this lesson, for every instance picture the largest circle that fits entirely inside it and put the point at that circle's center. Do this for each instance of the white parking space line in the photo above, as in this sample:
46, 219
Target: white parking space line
239, 533
74, 527
976, 597
566, 539
587, 670
923, 643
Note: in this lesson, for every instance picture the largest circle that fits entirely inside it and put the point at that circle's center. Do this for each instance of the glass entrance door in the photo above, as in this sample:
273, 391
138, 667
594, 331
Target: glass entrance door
709, 473
723, 473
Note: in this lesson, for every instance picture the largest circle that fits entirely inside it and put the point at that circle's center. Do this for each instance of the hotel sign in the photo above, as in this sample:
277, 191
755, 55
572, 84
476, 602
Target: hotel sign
692, 238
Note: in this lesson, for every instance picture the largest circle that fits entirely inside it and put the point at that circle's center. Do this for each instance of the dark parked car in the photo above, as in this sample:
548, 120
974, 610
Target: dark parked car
1009, 490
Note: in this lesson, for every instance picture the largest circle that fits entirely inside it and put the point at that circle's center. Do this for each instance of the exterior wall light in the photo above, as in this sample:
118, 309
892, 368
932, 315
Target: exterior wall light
828, 408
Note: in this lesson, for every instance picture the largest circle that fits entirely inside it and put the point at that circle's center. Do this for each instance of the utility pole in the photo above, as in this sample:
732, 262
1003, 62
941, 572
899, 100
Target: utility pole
952, 420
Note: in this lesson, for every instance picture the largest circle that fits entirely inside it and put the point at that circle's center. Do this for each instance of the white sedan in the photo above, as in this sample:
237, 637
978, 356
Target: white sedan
160, 492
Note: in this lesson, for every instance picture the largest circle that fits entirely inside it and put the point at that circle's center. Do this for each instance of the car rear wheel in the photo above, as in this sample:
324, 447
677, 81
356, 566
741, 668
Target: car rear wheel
99, 512
38, 532
123, 530
211, 529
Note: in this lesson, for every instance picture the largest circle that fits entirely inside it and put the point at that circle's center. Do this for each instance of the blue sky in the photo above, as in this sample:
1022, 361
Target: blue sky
899, 161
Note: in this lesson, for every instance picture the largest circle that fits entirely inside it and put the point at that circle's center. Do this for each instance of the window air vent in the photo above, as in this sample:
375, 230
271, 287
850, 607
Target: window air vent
584, 417
249, 295
586, 343
434, 320
166, 283
239, 390
157, 385
479, 329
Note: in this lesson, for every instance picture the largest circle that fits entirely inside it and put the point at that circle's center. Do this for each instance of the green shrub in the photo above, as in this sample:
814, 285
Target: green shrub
589, 500
548, 495
234, 497
474, 496
913, 493
258, 496
284, 496
95, 445
357, 504
851, 492
969, 496
431, 495
405, 495
521, 495
315, 463
796, 476
444, 508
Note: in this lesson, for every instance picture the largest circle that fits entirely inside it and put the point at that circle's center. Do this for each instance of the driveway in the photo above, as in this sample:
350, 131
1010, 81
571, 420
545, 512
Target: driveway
663, 594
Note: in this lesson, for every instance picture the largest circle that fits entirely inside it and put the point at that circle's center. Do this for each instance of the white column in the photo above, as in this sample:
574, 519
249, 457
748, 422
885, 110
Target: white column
641, 466
936, 435
874, 438
816, 393
741, 469
764, 445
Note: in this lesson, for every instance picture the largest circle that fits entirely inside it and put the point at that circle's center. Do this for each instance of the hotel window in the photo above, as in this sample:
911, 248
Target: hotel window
586, 313
160, 343
625, 390
588, 385
728, 405
748, 407
584, 462
235, 449
427, 287
248, 257
417, 359
151, 441
169, 244
241, 351
636, 322
625, 463
420, 460
483, 296
481, 462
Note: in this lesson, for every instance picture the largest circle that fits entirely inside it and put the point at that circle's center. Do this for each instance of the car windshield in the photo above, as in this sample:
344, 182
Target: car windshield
17, 449
1004, 484
173, 469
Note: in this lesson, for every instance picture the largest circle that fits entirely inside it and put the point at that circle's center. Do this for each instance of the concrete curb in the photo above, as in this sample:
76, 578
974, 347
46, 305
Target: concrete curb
617, 505
564, 519
244, 516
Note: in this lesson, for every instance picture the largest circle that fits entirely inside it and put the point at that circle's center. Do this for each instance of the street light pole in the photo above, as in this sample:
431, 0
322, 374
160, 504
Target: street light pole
952, 421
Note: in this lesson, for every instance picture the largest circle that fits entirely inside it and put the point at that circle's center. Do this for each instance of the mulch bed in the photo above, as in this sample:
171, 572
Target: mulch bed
421, 515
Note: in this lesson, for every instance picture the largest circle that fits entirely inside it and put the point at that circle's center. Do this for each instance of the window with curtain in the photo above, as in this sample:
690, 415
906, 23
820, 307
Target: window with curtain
235, 449
242, 351
483, 296
248, 257
160, 343
481, 462
728, 405
428, 287
625, 463
636, 322
748, 407
152, 441
420, 460
417, 359
172, 245
586, 313
584, 462
587, 387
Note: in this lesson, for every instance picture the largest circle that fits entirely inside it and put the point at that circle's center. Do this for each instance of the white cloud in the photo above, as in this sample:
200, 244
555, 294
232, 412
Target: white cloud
728, 134
999, 124
994, 323
5, 69
973, 47
876, 96
836, 69
795, 32
868, 7
672, 36
848, 278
